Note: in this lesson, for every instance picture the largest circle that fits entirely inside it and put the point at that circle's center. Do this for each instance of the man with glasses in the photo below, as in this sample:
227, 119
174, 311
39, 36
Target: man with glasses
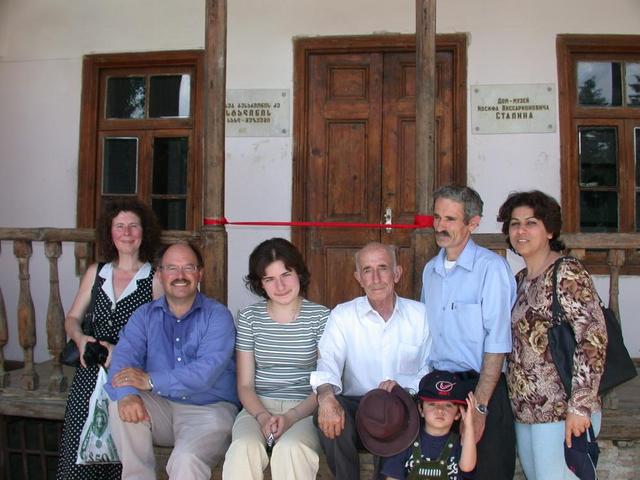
172, 380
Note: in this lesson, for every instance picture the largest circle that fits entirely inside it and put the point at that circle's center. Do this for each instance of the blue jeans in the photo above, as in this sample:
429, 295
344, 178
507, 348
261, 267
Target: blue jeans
541, 449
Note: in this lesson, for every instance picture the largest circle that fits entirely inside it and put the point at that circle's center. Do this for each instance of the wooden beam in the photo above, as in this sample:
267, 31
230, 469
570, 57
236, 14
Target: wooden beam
423, 242
214, 237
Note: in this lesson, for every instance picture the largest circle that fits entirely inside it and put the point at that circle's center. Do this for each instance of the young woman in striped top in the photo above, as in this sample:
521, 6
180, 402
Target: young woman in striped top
277, 349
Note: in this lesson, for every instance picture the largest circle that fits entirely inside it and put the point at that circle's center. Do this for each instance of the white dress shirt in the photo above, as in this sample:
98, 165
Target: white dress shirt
358, 349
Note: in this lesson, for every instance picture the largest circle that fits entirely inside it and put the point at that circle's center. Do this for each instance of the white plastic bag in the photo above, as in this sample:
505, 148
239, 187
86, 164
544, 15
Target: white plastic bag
96, 444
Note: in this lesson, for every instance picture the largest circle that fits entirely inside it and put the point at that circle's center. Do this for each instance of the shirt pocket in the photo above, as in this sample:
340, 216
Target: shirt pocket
467, 326
409, 358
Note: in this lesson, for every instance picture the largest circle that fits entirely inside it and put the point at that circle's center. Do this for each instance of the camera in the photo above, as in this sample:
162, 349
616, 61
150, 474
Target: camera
95, 354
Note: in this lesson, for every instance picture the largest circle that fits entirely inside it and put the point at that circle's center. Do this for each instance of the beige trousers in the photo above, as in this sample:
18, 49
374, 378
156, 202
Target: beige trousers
295, 455
199, 434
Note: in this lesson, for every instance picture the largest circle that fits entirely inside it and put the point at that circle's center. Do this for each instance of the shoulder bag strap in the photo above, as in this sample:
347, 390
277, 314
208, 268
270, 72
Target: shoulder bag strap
87, 322
556, 309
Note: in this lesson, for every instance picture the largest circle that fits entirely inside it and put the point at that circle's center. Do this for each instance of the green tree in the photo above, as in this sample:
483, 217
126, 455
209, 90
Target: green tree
588, 94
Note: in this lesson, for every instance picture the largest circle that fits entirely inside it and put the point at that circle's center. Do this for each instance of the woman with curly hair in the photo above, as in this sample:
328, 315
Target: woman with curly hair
127, 235
544, 416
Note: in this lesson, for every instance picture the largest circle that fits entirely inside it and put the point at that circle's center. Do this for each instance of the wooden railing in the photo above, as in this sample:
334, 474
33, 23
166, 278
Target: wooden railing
52, 241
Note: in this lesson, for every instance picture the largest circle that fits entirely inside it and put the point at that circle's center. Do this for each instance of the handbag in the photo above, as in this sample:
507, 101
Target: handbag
96, 443
618, 365
70, 355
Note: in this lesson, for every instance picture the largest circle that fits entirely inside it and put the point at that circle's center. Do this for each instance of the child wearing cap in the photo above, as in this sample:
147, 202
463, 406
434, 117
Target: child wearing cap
437, 452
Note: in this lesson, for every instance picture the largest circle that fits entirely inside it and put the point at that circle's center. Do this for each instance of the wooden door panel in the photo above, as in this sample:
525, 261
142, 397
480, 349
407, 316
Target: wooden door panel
344, 167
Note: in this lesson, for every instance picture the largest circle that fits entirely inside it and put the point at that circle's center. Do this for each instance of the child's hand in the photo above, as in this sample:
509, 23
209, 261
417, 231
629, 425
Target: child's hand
467, 415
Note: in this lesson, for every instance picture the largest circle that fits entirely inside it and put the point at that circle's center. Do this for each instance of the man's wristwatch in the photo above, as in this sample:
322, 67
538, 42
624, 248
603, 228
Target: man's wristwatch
482, 409
151, 383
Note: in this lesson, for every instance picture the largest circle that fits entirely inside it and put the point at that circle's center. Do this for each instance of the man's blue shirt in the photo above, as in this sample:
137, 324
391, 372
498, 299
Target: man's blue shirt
468, 308
190, 359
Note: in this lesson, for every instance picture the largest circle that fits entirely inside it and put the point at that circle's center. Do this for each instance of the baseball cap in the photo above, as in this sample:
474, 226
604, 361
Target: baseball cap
439, 386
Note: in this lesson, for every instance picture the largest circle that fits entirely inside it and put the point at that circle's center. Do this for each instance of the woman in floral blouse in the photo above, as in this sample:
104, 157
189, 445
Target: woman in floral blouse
544, 416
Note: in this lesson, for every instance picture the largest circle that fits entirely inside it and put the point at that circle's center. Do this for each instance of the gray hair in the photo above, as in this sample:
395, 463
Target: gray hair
390, 249
466, 196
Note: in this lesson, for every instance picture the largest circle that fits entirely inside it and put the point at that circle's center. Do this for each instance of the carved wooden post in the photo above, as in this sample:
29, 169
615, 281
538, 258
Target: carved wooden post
423, 239
55, 319
214, 237
26, 314
4, 338
82, 253
615, 260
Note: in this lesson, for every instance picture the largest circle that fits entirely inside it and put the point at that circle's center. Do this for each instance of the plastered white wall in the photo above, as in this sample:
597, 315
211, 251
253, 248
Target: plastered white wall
41, 47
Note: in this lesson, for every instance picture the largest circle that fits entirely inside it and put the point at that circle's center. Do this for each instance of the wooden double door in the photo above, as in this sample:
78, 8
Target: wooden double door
355, 152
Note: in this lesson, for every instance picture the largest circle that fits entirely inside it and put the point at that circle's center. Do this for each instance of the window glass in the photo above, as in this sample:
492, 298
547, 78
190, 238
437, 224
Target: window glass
599, 83
125, 97
120, 165
598, 156
598, 211
171, 213
170, 165
632, 80
170, 96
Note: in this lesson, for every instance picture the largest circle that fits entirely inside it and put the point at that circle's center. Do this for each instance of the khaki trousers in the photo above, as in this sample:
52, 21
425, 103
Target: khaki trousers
199, 434
295, 455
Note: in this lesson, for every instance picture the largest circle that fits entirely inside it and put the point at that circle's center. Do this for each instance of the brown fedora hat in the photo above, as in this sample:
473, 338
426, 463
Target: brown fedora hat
387, 422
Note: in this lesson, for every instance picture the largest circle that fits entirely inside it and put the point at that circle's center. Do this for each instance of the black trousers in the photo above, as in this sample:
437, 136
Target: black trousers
497, 447
342, 452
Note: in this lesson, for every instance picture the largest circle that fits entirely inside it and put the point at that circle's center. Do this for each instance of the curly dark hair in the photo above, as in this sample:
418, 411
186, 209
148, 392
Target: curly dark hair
545, 208
148, 220
271, 251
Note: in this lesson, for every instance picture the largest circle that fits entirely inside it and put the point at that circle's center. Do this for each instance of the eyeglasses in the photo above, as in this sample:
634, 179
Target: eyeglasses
174, 269
121, 227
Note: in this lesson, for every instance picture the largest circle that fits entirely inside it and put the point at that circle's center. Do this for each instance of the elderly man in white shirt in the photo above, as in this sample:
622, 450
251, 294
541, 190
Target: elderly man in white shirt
377, 341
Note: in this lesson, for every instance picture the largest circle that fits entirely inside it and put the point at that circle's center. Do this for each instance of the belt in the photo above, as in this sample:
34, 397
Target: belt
467, 375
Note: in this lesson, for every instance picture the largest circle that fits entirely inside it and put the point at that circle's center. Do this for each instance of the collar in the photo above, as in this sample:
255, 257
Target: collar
465, 260
107, 286
363, 307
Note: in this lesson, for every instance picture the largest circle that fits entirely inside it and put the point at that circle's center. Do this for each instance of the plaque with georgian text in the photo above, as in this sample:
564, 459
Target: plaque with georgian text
257, 113
522, 108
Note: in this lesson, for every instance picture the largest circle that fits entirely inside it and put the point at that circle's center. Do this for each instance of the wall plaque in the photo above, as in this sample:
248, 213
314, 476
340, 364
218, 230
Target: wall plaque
524, 108
257, 113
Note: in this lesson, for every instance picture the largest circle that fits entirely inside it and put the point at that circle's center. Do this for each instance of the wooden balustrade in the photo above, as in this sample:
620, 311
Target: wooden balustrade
52, 240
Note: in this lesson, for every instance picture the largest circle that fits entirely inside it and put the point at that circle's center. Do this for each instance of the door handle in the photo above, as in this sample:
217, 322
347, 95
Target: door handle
388, 219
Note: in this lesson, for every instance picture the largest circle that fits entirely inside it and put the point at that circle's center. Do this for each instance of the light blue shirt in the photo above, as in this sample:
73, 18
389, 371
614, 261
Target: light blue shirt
190, 359
468, 308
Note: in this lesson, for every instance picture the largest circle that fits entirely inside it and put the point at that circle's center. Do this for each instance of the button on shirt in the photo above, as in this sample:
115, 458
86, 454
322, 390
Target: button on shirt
358, 349
468, 307
190, 359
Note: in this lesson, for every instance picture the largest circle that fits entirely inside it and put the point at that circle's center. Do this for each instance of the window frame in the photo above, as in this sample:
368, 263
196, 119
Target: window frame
571, 49
93, 127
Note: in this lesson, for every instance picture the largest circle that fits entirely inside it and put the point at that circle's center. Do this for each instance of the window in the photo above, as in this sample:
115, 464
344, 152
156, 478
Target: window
599, 87
141, 134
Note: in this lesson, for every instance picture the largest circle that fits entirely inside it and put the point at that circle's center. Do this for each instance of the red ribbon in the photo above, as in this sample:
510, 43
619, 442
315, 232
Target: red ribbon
420, 221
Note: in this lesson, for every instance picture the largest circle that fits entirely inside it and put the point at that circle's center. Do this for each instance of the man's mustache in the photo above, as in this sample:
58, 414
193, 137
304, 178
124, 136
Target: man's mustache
443, 233
182, 281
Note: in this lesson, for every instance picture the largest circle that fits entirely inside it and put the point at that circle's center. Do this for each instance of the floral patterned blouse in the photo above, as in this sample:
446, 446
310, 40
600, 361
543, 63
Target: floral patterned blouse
537, 394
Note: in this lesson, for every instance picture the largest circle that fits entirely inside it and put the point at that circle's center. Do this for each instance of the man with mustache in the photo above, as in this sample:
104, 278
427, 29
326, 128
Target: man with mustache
469, 291
379, 340
173, 376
